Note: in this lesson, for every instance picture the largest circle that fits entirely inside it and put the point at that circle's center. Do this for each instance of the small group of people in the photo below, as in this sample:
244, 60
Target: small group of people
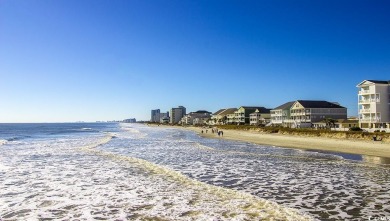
214, 130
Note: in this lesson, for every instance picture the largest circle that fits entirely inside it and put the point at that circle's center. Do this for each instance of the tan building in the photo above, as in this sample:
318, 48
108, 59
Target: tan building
176, 114
374, 105
221, 116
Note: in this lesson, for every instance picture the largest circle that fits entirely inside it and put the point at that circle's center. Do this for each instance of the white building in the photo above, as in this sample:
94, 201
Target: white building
374, 105
176, 114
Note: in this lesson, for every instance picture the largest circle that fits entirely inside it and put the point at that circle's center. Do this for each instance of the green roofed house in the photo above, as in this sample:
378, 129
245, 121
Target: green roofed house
281, 114
242, 115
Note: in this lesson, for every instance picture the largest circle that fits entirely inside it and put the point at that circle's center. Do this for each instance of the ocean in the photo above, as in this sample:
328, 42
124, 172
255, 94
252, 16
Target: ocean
116, 171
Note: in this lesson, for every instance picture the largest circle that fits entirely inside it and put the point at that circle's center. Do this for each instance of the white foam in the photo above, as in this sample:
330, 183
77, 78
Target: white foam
2, 142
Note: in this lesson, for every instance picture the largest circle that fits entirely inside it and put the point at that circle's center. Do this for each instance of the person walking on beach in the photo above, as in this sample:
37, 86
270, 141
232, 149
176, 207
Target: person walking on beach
202, 131
221, 132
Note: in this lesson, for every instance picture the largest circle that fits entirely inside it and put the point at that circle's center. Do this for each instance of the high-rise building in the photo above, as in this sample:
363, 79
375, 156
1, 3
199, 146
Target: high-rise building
374, 104
155, 115
176, 114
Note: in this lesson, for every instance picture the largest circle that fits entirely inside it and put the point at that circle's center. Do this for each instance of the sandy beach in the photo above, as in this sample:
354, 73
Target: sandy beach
369, 148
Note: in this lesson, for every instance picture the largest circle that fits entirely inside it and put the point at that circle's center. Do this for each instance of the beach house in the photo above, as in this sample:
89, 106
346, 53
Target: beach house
221, 116
374, 105
196, 118
241, 116
281, 114
261, 116
303, 113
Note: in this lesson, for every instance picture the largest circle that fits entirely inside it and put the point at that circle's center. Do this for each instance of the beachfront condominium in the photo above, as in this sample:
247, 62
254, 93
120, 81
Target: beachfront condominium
176, 114
374, 105
155, 115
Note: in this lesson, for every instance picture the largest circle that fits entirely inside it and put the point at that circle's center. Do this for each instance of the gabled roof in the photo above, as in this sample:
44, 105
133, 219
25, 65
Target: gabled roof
262, 111
202, 112
373, 81
347, 121
219, 111
228, 111
318, 104
285, 105
379, 82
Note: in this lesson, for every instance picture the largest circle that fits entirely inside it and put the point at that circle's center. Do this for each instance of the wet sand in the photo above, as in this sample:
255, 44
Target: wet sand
370, 148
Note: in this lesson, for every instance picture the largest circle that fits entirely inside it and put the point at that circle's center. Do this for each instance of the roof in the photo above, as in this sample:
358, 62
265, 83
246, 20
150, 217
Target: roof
378, 82
285, 105
228, 111
374, 81
347, 121
263, 111
219, 111
202, 112
318, 104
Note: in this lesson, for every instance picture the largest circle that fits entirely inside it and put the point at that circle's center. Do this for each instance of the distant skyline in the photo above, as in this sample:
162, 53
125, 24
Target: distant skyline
68, 60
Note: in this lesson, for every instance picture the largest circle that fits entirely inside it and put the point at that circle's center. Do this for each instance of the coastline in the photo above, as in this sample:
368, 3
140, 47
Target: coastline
368, 148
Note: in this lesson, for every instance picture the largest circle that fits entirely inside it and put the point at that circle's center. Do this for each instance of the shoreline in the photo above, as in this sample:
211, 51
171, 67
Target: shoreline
366, 148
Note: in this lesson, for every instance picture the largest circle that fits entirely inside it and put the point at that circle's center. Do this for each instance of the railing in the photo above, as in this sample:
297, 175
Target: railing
364, 91
369, 100
373, 119
365, 110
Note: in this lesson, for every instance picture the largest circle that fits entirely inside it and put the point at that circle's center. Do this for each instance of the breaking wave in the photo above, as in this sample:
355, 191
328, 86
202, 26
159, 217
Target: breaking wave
236, 204
2, 142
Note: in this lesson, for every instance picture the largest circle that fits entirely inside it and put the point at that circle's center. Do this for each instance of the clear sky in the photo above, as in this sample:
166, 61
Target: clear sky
72, 60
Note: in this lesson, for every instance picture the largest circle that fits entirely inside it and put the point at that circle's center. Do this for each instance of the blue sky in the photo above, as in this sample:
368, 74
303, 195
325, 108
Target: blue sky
71, 60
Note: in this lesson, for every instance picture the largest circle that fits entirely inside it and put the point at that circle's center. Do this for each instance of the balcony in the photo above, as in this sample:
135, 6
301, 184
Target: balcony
364, 92
364, 110
372, 120
365, 101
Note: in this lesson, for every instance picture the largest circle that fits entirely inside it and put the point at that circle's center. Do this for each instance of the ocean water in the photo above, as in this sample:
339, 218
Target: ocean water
110, 171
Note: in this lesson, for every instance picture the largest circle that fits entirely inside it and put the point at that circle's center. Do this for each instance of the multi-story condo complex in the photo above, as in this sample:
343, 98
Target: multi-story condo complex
305, 112
155, 115
176, 114
281, 114
374, 104
221, 116
198, 117
260, 117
